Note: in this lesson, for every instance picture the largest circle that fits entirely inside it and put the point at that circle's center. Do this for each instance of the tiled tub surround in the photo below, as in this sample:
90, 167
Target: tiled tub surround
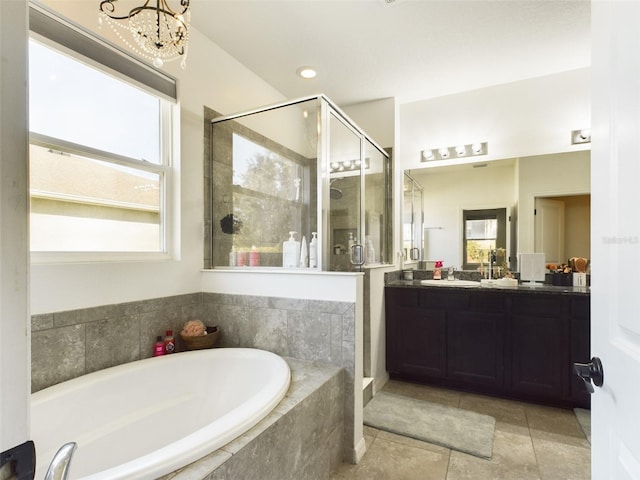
67, 344
300, 439
72, 343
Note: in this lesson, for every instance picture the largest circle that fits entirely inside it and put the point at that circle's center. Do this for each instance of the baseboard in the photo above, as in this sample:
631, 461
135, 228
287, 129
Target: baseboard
380, 382
359, 451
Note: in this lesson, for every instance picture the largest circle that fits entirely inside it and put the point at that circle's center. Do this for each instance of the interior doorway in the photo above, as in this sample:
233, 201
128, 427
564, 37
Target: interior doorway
563, 227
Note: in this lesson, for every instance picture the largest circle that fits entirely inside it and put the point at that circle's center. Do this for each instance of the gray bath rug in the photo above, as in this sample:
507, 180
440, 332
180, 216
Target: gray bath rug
584, 419
450, 427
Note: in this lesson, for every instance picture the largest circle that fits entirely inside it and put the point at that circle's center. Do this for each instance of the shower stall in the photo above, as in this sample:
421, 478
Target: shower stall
299, 166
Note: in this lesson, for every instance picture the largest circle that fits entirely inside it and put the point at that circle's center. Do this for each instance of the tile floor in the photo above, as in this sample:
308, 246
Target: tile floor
531, 442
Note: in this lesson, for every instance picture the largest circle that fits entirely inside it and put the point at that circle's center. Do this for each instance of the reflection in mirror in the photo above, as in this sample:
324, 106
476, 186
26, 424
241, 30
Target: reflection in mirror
513, 184
413, 219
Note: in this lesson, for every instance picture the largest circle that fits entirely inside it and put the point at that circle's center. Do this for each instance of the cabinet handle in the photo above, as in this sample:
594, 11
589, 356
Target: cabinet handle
589, 372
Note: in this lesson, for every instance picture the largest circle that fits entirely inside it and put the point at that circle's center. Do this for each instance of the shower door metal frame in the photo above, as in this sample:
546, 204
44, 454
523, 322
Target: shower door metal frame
326, 108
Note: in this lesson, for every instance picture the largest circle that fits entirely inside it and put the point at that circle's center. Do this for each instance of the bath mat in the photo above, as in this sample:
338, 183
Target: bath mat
450, 427
584, 419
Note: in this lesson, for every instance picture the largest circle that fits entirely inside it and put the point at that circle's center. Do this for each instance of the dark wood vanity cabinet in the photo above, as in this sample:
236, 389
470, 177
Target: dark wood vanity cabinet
499, 342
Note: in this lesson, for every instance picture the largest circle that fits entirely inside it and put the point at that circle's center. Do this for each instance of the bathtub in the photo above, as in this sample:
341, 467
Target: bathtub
148, 418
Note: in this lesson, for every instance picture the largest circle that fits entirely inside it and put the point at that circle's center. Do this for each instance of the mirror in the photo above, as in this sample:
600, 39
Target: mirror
412, 220
513, 184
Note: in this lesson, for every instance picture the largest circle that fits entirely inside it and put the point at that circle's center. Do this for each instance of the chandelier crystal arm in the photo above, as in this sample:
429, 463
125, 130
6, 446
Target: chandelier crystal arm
159, 32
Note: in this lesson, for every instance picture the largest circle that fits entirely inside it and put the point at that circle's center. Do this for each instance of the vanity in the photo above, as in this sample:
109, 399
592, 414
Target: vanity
515, 342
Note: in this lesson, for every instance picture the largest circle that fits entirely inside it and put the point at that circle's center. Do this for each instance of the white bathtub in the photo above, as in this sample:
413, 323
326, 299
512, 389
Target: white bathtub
148, 418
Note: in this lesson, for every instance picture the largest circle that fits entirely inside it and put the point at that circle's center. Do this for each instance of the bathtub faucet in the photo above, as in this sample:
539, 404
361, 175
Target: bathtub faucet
59, 467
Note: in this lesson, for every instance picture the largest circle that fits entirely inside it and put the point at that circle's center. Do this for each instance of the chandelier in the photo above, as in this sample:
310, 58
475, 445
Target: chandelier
160, 33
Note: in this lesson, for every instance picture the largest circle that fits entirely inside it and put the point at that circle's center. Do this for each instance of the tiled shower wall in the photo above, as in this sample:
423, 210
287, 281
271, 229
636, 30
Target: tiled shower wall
68, 344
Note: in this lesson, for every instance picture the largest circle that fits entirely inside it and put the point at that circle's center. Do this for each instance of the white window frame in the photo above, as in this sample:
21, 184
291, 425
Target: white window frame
168, 169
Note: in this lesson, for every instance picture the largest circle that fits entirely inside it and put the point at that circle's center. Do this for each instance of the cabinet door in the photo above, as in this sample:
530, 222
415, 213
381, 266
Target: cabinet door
539, 355
475, 352
580, 348
420, 342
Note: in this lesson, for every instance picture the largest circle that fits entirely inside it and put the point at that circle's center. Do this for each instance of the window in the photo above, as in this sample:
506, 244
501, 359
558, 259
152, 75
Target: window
484, 231
100, 156
268, 197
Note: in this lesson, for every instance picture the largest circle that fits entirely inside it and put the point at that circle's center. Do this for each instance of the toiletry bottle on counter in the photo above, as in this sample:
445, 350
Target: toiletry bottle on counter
290, 252
351, 243
169, 342
241, 259
233, 260
437, 270
158, 348
254, 257
304, 255
313, 250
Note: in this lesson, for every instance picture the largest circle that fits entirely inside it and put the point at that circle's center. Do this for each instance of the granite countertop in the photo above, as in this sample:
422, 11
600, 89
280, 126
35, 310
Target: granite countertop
520, 288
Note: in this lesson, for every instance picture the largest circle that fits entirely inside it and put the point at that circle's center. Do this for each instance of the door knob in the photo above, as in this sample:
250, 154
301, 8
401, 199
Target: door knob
590, 372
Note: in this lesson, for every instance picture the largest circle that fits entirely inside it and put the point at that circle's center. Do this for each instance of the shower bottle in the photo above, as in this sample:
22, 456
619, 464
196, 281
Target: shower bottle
291, 252
313, 250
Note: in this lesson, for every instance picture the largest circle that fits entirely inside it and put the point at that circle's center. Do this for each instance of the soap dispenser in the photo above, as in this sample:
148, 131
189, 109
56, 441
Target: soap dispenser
290, 252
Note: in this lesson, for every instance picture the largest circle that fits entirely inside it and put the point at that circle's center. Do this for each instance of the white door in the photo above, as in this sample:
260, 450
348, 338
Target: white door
14, 242
549, 229
615, 231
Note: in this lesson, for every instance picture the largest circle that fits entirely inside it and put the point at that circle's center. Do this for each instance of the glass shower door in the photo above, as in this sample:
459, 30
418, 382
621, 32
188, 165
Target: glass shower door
377, 201
345, 167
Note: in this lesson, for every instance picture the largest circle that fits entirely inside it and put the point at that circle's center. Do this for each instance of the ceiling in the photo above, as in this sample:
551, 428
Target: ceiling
409, 49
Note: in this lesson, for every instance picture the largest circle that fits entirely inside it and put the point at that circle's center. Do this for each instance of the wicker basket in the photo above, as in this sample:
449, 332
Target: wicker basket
202, 341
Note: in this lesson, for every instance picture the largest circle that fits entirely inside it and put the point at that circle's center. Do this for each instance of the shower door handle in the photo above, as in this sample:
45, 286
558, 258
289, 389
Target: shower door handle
356, 255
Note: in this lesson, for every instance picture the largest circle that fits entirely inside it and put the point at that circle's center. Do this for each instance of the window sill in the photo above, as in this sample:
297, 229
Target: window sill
47, 258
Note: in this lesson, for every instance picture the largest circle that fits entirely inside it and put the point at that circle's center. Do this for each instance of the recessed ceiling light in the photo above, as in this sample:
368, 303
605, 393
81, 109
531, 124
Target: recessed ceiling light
306, 72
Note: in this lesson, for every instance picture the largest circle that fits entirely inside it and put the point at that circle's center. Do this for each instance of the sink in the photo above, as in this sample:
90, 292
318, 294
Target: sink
451, 283
501, 282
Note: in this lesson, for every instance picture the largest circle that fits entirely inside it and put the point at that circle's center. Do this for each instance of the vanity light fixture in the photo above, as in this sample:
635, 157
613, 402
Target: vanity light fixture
427, 155
348, 165
306, 72
580, 136
160, 33
459, 151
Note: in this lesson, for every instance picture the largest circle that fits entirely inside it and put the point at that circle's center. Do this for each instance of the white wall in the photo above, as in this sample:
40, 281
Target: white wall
376, 118
548, 175
577, 230
212, 78
448, 192
530, 117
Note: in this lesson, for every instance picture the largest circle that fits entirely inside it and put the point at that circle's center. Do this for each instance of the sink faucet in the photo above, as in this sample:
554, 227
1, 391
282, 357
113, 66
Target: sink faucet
59, 467
492, 261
